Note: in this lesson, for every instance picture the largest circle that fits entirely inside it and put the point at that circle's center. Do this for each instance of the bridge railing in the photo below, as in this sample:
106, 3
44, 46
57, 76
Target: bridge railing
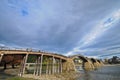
7, 48
29, 50
4, 48
21, 49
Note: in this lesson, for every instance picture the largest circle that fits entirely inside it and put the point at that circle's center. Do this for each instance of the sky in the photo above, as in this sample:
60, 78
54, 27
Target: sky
87, 27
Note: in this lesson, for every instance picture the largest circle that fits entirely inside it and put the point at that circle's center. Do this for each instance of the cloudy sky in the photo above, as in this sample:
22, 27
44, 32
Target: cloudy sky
87, 27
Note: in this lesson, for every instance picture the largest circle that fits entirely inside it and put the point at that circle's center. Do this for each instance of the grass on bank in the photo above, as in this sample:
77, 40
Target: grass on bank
19, 78
64, 76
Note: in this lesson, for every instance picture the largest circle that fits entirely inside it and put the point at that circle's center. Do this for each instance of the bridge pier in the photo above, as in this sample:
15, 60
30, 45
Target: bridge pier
23, 65
68, 65
47, 65
61, 66
35, 68
47, 68
95, 62
41, 61
88, 65
38, 65
50, 66
100, 62
58, 67
53, 64
1, 56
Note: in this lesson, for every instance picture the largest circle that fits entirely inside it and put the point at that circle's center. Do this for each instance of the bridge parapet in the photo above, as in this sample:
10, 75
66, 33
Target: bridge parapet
6, 50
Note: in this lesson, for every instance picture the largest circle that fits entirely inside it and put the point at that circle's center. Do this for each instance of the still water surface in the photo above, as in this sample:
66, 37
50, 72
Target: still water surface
103, 73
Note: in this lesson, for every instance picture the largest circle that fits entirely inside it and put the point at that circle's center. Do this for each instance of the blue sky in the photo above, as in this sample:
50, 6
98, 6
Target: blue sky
68, 27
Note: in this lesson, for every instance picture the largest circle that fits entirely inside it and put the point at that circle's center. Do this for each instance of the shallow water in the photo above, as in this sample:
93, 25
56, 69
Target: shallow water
103, 73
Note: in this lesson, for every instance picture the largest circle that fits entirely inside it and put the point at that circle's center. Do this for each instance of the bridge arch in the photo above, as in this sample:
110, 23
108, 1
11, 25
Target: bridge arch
100, 62
97, 63
43, 62
86, 62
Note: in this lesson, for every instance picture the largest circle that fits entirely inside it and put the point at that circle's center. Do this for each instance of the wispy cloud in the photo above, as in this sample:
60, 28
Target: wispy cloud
97, 31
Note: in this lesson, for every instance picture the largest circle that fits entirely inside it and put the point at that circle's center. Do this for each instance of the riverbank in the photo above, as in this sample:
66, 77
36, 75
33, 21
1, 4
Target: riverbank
112, 65
63, 76
11, 74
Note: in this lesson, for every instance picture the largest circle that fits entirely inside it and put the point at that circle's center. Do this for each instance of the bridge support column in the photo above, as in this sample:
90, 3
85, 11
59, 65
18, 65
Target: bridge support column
1, 56
47, 68
55, 65
50, 67
53, 61
35, 69
60, 65
23, 65
41, 62
38, 65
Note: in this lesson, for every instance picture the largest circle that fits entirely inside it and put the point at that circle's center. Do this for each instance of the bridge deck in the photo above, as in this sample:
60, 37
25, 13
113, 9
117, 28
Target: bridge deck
8, 51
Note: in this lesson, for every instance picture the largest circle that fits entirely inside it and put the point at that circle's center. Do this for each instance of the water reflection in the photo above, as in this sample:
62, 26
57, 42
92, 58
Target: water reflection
103, 73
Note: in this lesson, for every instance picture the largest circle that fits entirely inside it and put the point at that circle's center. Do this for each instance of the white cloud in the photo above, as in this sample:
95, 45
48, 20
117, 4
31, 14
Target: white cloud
2, 45
97, 31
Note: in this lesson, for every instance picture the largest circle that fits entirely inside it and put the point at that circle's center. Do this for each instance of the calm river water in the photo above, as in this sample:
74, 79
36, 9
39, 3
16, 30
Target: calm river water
104, 73
111, 72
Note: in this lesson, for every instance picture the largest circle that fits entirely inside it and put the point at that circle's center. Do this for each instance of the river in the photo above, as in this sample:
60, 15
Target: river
111, 72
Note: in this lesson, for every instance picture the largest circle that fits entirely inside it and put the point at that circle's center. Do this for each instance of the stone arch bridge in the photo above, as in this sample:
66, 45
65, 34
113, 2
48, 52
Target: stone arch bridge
87, 63
39, 62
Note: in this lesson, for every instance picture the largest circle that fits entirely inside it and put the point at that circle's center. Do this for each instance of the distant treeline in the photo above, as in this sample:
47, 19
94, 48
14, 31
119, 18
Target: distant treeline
114, 60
